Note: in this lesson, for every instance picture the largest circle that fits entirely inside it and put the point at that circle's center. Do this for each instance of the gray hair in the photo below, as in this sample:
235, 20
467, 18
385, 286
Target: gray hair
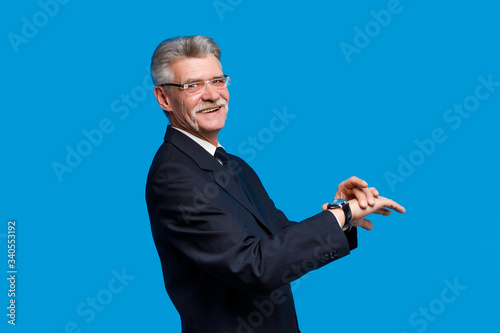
177, 48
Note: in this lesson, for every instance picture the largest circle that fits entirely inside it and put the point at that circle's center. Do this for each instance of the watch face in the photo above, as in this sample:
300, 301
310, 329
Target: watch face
337, 201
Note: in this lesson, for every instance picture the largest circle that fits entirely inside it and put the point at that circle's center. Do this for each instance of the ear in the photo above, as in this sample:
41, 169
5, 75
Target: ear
163, 98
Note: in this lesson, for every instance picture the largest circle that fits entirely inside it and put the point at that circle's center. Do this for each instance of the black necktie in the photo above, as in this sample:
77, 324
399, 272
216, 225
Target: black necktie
223, 158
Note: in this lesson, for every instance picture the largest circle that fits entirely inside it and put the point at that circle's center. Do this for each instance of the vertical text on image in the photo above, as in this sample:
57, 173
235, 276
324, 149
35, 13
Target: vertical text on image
11, 271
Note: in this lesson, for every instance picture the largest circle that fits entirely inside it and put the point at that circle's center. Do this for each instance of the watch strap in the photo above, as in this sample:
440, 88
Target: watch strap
344, 204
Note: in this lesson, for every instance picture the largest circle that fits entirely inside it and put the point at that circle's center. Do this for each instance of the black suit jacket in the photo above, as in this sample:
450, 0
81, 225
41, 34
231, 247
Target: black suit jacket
228, 258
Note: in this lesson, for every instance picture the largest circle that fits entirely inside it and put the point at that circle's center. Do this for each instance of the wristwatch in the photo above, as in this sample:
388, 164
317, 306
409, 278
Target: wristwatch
344, 204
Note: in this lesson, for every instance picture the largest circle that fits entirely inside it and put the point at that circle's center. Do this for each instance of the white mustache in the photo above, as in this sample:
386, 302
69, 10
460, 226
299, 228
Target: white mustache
220, 102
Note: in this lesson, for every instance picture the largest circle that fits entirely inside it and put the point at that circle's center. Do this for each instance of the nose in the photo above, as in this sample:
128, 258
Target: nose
210, 93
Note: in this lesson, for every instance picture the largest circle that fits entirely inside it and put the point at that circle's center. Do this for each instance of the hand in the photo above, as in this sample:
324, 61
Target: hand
355, 188
380, 207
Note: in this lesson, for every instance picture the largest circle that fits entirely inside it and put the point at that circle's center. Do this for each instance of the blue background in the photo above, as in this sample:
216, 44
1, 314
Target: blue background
84, 65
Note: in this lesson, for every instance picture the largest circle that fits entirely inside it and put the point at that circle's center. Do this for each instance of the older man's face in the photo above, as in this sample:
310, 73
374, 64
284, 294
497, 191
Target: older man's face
202, 113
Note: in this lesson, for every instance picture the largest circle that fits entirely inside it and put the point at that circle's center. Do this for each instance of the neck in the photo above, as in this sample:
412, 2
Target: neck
214, 141
213, 138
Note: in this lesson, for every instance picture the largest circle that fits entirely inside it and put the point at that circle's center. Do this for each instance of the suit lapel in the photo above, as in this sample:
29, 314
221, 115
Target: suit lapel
208, 163
222, 179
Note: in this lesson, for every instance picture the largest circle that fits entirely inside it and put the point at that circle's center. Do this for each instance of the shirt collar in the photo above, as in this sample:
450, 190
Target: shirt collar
205, 144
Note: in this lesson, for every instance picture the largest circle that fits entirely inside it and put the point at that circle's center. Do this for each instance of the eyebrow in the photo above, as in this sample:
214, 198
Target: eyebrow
196, 80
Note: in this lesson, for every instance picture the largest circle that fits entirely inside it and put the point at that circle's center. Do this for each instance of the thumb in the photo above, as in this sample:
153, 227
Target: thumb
363, 223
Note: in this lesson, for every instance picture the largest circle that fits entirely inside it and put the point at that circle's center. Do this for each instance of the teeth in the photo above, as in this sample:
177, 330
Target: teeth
209, 110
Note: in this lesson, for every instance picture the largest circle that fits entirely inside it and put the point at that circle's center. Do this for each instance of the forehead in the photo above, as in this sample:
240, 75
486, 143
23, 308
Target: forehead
196, 68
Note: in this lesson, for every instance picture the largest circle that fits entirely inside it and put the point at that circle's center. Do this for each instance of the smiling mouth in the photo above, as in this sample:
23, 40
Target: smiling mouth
210, 110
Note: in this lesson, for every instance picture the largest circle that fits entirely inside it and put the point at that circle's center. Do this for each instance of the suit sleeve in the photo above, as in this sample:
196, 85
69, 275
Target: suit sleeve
207, 231
351, 234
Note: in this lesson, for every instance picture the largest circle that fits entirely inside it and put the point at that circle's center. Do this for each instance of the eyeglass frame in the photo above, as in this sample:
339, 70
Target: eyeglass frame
185, 86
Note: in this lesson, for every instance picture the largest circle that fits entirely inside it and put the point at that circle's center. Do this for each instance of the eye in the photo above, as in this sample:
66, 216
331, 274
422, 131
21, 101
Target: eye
218, 82
192, 85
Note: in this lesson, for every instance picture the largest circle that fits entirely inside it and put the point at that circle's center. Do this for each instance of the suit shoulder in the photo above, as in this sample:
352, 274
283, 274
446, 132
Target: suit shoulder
245, 168
241, 162
169, 163
170, 156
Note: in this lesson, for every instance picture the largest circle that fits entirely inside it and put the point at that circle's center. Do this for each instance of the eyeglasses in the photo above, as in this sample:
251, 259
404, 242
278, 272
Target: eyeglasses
198, 86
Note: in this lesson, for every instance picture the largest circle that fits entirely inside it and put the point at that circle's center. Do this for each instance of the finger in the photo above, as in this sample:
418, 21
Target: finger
325, 206
397, 207
388, 203
383, 211
367, 225
341, 195
369, 196
345, 189
360, 195
354, 182
363, 223
374, 192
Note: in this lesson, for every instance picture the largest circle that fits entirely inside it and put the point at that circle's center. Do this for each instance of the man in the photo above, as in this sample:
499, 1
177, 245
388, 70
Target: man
227, 253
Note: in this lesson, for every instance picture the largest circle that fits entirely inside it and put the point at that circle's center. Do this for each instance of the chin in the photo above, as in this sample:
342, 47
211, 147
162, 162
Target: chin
212, 128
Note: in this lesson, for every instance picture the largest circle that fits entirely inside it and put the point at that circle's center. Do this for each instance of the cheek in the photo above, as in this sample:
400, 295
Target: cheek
190, 104
225, 95
185, 107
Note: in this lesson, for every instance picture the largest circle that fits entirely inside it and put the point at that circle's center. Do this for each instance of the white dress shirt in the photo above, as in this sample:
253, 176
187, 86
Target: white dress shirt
205, 144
